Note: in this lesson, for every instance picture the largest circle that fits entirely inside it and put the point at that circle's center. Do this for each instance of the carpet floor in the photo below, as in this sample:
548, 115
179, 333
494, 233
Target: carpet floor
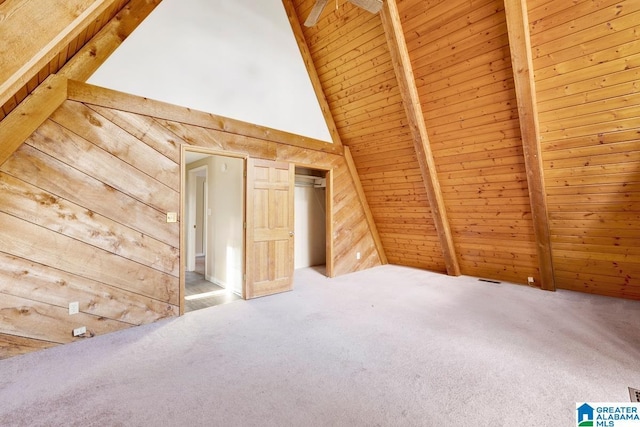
390, 346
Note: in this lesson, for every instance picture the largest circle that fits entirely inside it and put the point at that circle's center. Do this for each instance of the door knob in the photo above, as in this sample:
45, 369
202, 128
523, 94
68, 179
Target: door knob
291, 233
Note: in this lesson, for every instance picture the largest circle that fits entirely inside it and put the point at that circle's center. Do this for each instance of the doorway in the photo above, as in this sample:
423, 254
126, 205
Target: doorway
213, 229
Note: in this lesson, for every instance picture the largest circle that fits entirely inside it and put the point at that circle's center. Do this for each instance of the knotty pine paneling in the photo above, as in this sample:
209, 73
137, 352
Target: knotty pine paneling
350, 53
586, 58
83, 218
460, 55
80, 222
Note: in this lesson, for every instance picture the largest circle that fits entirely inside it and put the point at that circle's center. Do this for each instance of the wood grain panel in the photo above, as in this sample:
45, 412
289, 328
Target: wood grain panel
22, 200
91, 52
35, 110
587, 67
31, 53
29, 319
198, 136
96, 129
106, 167
57, 179
11, 345
38, 282
460, 56
350, 53
84, 260
146, 129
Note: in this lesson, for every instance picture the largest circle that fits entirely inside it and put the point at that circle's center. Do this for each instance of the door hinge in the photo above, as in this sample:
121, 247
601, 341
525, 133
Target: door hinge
244, 277
245, 225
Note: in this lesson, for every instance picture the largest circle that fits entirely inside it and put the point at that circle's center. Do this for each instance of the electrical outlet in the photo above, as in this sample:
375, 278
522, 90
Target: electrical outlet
172, 217
74, 307
358, 255
530, 281
79, 331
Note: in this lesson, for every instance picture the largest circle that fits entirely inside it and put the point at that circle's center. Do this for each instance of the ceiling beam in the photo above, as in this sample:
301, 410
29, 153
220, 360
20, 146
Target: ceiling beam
311, 70
522, 64
27, 48
30, 114
94, 53
331, 124
411, 100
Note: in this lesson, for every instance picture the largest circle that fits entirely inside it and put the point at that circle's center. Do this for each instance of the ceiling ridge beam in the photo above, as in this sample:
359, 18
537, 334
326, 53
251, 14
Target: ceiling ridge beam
522, 64
96, 51
411, 101
311, 70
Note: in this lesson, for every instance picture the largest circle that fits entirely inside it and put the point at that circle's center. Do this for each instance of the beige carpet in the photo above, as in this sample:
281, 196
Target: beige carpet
390, 346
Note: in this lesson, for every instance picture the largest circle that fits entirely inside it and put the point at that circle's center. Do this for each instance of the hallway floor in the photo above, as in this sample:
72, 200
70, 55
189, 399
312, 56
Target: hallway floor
201, 293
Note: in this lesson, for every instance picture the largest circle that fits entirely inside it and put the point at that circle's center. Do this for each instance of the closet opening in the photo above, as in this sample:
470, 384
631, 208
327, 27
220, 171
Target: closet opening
312, 219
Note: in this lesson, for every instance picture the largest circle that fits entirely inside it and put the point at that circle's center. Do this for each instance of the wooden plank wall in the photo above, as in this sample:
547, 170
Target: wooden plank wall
83, 219
586, 59
460, 56
350, 53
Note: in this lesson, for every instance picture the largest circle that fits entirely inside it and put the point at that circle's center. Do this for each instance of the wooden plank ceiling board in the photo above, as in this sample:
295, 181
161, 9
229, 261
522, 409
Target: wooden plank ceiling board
354, 66
30, 53
586, 62
98, 48
411, 101
460, 56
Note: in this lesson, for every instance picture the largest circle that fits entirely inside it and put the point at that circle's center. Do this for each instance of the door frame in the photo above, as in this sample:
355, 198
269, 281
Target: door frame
190, 198
183, 184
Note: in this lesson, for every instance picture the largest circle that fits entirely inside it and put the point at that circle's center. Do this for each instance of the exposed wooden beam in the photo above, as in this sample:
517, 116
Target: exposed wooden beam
31, 113
522, 64
331, 124
27, 48
311, 70
102, 45
365, 206
411, 100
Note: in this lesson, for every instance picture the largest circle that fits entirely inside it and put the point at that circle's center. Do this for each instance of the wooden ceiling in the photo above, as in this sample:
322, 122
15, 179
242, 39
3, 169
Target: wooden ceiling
493, 138
49, 37
484, 133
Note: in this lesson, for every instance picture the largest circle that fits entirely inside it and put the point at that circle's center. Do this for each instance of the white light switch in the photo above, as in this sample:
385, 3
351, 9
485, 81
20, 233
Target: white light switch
172, 217
74, 307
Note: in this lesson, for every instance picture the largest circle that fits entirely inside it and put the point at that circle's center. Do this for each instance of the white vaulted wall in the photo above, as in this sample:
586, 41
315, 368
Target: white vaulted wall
236, 59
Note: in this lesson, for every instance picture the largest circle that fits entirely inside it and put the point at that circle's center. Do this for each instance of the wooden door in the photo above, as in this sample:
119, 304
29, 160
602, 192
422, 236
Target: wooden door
270, 198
